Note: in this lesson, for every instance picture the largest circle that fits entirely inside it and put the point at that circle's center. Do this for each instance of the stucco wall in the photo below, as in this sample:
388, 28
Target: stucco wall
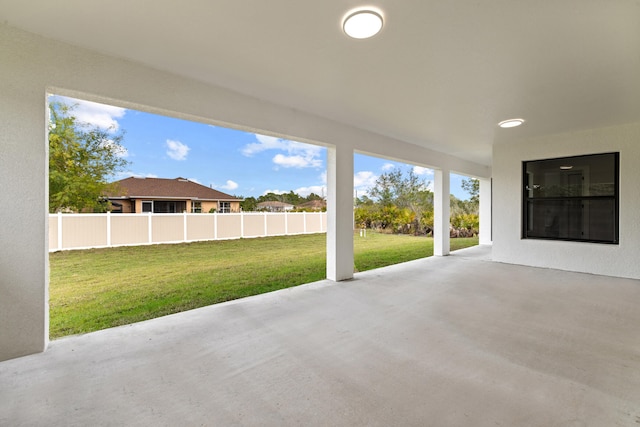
31, 66
614, 260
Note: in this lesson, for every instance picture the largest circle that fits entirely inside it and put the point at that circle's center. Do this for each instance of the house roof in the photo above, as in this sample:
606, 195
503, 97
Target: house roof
178, 188
313, 204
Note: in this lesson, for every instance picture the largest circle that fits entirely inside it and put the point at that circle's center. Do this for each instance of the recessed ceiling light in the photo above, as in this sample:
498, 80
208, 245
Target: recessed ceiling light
566, 168
511, 123
362, 24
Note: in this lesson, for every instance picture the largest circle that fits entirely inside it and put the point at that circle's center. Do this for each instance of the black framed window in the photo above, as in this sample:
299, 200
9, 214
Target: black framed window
571, 198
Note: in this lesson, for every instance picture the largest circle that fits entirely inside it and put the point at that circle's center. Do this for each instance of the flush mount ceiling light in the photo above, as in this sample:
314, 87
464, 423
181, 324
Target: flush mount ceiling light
511, 123
362, 24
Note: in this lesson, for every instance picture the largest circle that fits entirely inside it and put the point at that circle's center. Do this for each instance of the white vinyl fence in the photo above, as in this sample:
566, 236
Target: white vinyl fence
83, 231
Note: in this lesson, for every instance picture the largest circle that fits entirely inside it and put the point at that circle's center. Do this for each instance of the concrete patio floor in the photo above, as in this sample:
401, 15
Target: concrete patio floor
450, 341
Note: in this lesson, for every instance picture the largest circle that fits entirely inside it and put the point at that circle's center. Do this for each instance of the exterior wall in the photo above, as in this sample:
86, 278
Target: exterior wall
33, 66
126, 206
234, 206
207, 206
614, 260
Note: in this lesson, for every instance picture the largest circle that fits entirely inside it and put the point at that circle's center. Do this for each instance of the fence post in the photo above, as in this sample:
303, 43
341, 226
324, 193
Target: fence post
59, 231
109, 229
215, 226
304, 222
150, 229
185, 225
286, 224
241, 224
265, 224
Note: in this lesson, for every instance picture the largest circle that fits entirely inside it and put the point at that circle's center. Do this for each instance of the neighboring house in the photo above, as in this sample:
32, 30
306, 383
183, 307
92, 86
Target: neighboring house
273, 206
162, 195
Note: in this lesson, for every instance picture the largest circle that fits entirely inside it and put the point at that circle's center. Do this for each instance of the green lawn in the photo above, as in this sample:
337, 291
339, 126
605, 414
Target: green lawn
101, 288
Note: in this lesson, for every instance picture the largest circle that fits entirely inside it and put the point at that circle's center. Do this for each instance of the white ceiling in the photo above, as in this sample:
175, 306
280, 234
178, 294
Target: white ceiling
441, 73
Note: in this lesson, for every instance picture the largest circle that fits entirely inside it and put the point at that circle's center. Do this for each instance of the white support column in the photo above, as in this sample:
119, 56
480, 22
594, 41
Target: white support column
339, 213
485, 211
441, 212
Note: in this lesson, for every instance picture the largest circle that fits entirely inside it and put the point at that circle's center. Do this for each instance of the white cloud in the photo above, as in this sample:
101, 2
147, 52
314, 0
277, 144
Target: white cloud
296, 161
320, 190
419, 170
230, 185
196, 180
364, 180
274, 192
100, 115
177, 150
264, 143
296, 154
388, 166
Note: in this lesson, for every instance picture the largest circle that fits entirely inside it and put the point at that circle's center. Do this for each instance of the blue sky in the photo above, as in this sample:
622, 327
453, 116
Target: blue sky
235, 162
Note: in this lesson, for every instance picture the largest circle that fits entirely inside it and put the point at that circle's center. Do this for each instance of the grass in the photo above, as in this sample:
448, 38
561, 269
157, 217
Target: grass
101, 288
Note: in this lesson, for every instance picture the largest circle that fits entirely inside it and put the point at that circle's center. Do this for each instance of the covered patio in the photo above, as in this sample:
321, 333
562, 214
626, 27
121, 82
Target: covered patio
527, 331
442, 341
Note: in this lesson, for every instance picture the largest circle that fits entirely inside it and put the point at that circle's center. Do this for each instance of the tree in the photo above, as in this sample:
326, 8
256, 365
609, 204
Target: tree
410, 194
249, 204
472, 186
82, 158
